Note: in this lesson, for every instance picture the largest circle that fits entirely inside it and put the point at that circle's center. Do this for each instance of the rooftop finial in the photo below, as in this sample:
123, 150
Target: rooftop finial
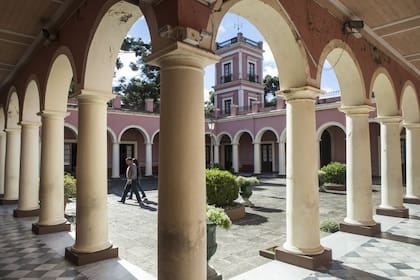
238, 25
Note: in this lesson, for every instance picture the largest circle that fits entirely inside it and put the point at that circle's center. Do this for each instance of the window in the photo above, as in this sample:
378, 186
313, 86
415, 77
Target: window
227, 72
250, 101
67, 153
226, 105
251, 72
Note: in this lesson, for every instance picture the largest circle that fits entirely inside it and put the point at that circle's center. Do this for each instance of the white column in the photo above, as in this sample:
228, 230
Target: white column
181, 217
302, 197
11, 183
116, 160
149, 163
235, 157
257, 158
216, 153
412, 140
358, 166
282, 158
91, 207
52, 169
2, 160
391, 173
29, 167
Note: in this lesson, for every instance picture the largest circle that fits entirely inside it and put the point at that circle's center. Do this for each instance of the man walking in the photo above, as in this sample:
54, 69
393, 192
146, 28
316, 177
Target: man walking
131, 174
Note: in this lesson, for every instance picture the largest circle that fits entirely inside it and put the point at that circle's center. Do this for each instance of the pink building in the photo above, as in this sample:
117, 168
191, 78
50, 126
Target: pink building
246, 137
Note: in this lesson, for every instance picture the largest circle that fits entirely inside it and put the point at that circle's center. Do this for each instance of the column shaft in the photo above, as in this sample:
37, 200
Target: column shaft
282, 158
149, 162
358, 166
216, 154
391, 173
182, 186
29, 167
52, 169
2, 160
235, 157
412, 138
302, 198
115, 160
11, 183
257, 158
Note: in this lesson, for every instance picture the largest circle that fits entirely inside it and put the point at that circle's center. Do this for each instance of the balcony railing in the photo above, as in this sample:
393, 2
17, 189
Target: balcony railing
253, 78
226, 79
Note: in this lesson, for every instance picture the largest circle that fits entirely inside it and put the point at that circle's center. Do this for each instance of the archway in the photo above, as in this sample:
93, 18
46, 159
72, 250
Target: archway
155, 153
375, 149
268, 139
132, 141
224, 141
70, 149
384, 92
332, 143
245, 154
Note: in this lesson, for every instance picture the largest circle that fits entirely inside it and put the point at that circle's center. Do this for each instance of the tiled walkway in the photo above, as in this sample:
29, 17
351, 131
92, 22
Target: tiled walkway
393, 255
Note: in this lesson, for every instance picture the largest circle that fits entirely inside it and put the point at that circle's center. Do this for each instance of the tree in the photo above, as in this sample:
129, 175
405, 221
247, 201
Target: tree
271, 85
147, 84
209, 104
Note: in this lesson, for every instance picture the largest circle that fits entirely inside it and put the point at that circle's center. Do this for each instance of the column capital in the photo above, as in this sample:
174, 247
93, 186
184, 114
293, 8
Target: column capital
12, 130
88, 96
412, 126
389, 119
256, 143
53, 114
356, 110
305, 92
182, 54
30, 124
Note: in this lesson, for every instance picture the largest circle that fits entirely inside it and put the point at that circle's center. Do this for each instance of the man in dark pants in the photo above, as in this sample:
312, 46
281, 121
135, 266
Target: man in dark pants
131, 175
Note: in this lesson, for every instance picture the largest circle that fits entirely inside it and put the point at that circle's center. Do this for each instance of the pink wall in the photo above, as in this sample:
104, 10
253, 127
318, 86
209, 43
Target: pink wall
374, 129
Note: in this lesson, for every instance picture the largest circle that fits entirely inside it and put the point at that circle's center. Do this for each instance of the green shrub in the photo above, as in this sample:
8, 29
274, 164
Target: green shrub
335, 173
221, 187
321, 178
329, 226
69, 185
218, 216
245, 185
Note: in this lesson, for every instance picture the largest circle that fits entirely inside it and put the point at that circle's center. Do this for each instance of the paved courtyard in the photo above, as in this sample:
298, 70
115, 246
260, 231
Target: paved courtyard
393, 255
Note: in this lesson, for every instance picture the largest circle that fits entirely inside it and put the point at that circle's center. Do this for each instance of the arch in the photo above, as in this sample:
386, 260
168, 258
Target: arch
220, 136
347, 71
72, 128
326, 125
31, 104
58, 83
113, 135
410, 103
288, 52
139, 128
264, 130
113, 25
238, 135
283, 136
385, 94
154, 135
12, 117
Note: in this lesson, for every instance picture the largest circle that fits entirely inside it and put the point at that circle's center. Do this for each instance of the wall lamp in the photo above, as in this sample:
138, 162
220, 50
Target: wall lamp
353, 27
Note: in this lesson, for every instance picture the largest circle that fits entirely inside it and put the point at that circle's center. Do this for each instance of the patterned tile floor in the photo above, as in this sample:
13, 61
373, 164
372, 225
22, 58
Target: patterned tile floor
24, 256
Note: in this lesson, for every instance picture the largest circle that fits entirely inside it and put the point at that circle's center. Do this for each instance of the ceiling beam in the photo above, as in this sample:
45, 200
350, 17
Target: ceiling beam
395, 22
16, 33
14, 42
400, 31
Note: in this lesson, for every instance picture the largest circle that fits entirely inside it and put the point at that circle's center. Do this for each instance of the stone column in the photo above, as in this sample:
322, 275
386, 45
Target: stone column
116, 160
2, 161
391, 173
282, 158
302, 197
257, 158
51, 216
412, 139
149, 163
11, 182
92, 241
182, 186
359, 217
235, 157
29, 171
216, 153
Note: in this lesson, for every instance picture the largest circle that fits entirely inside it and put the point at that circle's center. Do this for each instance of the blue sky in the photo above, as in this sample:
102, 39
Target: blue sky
227, 30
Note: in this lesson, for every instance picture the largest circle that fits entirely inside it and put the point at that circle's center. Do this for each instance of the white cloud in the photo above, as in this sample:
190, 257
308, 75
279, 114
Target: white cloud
270, 67
206, 94
125, 71
270, 70
221, 29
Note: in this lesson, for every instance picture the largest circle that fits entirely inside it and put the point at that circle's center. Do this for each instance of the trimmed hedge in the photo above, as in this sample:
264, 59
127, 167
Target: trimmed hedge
221, 187
335, 173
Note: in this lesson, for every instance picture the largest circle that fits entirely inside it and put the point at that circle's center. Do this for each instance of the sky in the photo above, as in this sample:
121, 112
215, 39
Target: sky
228, 29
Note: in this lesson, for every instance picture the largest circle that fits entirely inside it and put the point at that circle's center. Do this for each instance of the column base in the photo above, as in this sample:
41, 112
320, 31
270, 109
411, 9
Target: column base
25, 213
40, 229
86, 258
309, 262
411, 200
360, 229
400, 213
8, 201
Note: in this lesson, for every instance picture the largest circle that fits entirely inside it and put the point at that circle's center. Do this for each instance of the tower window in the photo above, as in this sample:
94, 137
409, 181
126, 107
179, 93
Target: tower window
251, 72
227, 72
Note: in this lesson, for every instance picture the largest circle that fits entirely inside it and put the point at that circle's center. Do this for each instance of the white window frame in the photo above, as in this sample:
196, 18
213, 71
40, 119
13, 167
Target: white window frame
223, 103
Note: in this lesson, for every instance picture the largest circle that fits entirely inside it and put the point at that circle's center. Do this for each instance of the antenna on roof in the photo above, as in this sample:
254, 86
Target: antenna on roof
238, 25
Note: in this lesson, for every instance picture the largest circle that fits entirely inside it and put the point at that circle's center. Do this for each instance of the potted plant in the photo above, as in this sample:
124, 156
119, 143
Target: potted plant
245, 188
215, 217
69, 188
